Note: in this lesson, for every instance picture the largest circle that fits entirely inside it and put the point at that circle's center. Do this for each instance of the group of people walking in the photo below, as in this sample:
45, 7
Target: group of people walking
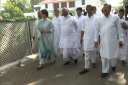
89, 36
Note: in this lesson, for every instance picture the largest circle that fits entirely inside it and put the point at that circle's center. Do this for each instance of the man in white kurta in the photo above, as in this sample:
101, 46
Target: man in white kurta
111, 38
123, 51
87, 37
56, 23
68, 37
80, 21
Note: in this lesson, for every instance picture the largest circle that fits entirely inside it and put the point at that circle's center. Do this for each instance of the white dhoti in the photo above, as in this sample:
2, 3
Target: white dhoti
57, 50
88, 41
69, 38
56, 24
70, 53
107, 63
110, 33
90, 57
123, 53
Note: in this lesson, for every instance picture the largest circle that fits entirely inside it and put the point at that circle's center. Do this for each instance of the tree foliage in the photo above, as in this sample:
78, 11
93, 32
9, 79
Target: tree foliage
15, 9
35, 2
103, 1
125, 2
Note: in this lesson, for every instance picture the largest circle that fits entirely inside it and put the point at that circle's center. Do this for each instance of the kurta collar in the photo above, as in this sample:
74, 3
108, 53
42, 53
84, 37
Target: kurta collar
56, 16
79, 16
90, 17
67, 16
107, 17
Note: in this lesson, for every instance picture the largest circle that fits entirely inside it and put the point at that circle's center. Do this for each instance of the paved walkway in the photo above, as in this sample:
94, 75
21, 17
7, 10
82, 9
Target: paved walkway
56, 74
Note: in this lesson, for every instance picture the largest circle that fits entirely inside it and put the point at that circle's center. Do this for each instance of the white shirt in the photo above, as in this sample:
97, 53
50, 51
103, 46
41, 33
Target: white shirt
68, 32
80, 23
110, 32
57, 28
89, 30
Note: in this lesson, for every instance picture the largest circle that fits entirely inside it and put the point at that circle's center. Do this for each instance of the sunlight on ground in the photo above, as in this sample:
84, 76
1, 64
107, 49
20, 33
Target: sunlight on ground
37, 82
33, 56
41, 81
118, 78
59, 75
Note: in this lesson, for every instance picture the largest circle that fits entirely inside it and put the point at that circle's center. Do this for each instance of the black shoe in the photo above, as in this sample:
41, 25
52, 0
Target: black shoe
94, 65
123, 62
75, 61
83, 71
40, 67
113, 69
105, 75
67, 63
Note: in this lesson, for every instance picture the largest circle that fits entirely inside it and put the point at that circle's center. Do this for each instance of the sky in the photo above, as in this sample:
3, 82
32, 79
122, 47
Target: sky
114, 2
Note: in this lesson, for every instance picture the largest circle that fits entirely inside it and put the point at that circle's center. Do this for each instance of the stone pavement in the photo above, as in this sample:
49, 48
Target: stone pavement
56, 74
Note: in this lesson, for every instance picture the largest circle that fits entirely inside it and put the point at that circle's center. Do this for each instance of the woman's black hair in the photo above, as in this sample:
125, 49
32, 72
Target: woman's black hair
44, 11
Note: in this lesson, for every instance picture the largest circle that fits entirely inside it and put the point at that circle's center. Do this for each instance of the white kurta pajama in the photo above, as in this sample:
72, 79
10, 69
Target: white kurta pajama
68, 38
56, 24
110, 33
80, 22
88, 40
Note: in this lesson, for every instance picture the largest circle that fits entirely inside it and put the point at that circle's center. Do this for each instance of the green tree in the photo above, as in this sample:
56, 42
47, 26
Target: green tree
125, 2
35, 2
15, 9
12, 8
103, 1
25, 5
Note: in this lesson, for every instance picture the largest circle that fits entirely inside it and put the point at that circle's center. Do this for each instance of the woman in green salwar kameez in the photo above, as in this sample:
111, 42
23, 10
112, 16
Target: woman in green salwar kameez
45, 40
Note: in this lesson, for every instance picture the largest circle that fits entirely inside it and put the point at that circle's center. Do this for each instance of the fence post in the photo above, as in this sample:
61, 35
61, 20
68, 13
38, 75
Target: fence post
29, 32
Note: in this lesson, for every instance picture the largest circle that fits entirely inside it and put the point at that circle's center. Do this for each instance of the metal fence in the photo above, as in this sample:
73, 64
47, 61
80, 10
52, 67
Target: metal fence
15, 40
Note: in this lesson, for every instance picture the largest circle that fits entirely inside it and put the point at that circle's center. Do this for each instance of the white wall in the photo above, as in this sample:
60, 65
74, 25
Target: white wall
50, 8
2, 2
50, 5
78, 3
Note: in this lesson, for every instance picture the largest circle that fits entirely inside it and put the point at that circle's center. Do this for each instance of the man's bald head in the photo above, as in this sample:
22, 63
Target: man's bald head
88, 7
65, 12
56, 12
